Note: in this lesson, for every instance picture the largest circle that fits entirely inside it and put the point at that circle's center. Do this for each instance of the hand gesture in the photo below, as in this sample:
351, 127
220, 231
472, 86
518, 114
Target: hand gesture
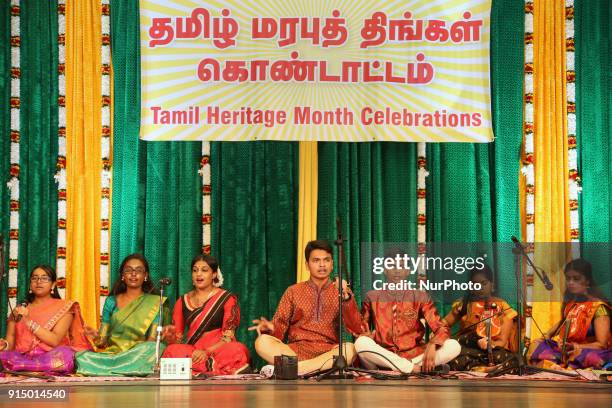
262, 325
20, 311
199, 356
169, 333
429, 358
92, 334
346, 291
483, 343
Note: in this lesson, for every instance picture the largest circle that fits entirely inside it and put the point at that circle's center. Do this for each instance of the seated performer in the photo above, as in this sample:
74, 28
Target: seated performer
211, 315
125, 343
588, 343
471, 312
391, 335
308, 315
44, 335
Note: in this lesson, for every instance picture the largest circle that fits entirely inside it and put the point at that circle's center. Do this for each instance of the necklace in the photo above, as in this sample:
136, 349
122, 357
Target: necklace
199, 302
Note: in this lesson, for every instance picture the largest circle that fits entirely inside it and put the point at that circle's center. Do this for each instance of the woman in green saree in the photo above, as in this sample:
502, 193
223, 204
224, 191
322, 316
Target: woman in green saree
125, 343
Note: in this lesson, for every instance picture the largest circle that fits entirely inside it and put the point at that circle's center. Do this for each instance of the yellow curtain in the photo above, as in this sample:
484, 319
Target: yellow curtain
307, 211
551, 167
83, 154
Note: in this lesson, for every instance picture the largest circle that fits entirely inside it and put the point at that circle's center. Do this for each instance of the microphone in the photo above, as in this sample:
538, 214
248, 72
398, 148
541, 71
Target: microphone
23, 303
165, 281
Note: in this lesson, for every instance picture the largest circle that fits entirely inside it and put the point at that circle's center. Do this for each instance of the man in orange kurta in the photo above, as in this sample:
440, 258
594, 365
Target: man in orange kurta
307, 316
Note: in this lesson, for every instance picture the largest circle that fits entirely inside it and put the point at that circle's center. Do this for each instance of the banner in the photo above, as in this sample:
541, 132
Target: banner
332, 70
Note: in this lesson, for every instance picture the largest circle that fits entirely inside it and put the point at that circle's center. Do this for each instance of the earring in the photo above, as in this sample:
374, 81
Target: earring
146, 279
30, 291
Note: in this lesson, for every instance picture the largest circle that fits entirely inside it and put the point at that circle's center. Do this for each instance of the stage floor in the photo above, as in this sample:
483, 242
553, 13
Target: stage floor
433, 393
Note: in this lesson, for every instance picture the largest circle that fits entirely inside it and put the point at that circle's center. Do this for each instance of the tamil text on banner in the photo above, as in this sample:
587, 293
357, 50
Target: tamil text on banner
327, 70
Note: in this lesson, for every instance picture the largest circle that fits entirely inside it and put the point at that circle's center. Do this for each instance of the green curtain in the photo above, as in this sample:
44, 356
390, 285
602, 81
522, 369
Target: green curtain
39, 134
594, 132
472, 190
157, 199
5, 147
254, 224
372, 188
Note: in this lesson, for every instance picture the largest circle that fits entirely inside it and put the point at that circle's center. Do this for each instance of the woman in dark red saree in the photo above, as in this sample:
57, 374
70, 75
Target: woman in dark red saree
210, 316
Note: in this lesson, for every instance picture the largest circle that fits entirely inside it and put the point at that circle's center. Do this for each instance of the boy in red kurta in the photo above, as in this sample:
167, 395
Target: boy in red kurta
307, 315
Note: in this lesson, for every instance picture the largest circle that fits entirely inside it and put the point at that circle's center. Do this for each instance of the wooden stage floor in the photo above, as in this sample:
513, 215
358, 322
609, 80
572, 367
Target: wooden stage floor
433, 393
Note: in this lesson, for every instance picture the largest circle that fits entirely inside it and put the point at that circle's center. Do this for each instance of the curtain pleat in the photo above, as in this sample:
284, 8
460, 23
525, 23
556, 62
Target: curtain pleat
156, 198
83, 155
551, 166
5, 147
593, 20
372, 188
254, 224
38, 143
307, 213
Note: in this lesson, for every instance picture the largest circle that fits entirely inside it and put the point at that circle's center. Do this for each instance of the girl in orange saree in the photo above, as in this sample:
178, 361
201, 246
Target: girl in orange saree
210, 315
584, 328
44, 335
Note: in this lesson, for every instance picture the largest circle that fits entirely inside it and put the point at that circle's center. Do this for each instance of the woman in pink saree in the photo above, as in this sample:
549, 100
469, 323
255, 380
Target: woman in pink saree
44, 335
211, 315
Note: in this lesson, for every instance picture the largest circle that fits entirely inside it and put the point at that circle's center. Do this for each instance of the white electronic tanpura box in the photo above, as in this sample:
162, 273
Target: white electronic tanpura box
175, 369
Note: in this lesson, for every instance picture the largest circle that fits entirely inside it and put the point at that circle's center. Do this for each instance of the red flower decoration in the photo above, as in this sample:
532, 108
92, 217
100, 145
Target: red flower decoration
206, 189
15, 170
206, 249
15, 136
15, 102
15, 10
15, 41
61, 69
206, 219
61, 252
529, 68
421, 193
14, 205
205, 160
15, 72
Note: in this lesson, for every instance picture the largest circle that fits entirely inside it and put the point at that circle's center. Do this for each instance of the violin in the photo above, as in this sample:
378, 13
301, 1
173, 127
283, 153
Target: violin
488, 312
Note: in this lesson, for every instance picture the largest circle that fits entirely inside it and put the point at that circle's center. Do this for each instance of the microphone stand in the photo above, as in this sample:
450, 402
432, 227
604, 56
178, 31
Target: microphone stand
339, 366
523, 368
160, 322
